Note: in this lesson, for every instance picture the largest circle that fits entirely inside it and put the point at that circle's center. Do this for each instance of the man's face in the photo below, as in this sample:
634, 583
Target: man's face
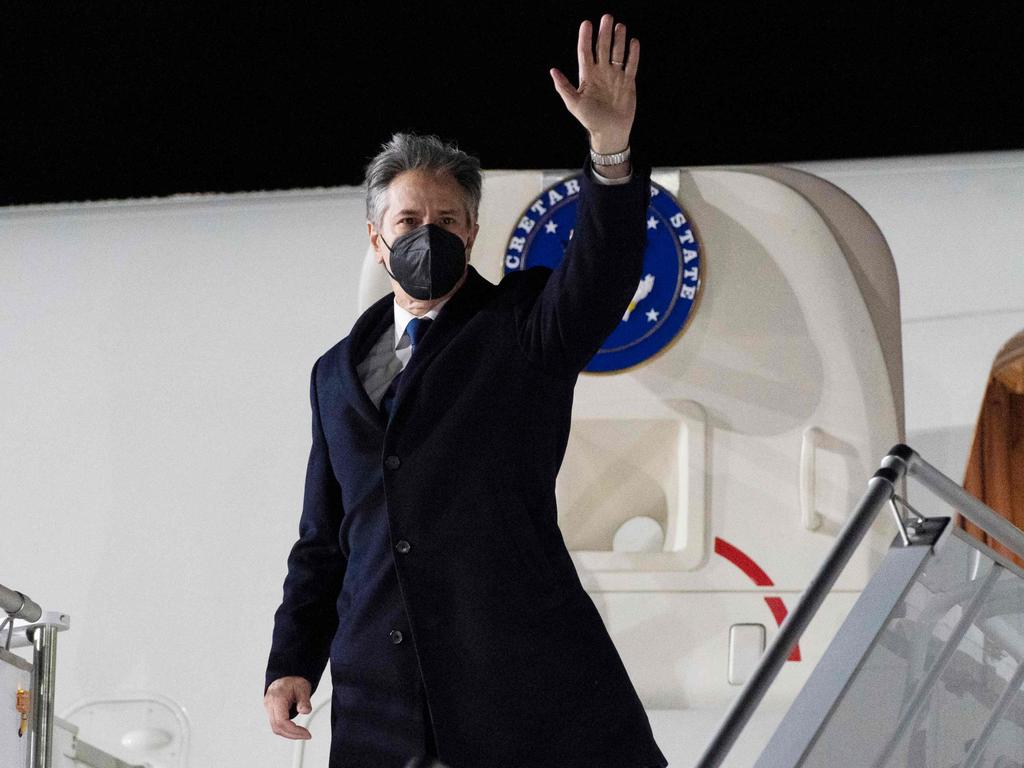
415, 198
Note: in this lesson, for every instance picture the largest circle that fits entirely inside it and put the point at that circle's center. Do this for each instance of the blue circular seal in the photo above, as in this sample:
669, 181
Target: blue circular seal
668, 288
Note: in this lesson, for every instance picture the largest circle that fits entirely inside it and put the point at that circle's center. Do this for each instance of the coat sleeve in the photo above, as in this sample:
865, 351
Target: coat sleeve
582, 301
307, 618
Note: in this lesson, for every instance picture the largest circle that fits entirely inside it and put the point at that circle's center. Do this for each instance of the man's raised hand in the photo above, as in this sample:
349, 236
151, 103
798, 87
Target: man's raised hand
605, 101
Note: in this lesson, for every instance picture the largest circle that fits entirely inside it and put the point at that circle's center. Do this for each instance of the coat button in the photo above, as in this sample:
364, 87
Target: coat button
403, 546
392, 462
396, 636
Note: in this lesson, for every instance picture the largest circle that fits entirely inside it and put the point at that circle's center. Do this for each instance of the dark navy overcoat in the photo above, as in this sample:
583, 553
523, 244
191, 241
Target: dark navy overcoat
430, 562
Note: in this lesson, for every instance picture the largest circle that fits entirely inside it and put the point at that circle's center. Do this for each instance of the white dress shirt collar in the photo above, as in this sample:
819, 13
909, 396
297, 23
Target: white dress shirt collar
403, 316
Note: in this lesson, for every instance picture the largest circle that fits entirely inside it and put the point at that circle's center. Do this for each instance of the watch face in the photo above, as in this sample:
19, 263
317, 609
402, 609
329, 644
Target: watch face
667, 294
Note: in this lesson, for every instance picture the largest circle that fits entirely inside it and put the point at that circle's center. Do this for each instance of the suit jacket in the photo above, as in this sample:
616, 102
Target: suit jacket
429, 559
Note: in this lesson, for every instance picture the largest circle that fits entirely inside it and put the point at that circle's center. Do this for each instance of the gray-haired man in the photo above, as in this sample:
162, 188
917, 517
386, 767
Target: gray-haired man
429, 568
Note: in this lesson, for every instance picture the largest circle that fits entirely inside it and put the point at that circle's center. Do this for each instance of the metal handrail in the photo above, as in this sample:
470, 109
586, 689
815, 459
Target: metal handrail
974, 510
44, 670
18, 606
902, 461
43, 637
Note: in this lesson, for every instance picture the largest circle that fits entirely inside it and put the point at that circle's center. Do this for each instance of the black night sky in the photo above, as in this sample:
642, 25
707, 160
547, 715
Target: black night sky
135, 98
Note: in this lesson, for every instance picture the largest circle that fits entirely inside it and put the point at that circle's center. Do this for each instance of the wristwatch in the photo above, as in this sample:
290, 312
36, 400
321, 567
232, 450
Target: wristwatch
613, 159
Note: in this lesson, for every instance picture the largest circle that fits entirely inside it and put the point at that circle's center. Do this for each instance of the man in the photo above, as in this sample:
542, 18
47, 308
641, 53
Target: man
430, 568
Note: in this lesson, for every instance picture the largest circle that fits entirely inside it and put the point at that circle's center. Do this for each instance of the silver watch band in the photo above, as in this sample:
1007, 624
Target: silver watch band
613, 159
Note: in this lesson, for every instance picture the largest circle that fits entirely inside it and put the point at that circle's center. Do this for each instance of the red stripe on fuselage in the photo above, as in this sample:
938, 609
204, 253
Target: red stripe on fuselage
756, 574
743, 561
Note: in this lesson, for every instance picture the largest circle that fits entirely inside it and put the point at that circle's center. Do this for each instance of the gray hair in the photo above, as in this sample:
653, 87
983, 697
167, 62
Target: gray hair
407, 152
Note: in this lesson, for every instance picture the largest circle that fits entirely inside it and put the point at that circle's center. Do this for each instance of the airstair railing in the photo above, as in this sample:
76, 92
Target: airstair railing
41, 634
916, 533
44, 671
18, 606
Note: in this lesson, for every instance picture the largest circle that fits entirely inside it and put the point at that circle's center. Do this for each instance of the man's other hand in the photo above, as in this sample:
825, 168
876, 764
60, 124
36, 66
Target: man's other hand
605, 101
281, 695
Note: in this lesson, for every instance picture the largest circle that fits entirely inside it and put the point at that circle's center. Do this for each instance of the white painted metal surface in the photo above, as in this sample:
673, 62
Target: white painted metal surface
158, 353
141, 727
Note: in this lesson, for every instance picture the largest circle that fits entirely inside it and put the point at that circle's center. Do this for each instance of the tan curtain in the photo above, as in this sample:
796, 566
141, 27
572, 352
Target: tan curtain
995, 469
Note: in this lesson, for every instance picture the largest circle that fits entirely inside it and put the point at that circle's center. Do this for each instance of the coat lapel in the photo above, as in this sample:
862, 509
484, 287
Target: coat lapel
456, 311
379, 316
364, 334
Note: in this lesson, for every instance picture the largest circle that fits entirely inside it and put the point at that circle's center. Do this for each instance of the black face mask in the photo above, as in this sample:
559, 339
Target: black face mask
428, 261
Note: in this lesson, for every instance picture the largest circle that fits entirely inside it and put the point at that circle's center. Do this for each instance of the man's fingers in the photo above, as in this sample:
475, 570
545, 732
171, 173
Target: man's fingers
564, 87
604, 39
634, 57
290, 730
584, 49
619, 39
302, 690
277, 709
